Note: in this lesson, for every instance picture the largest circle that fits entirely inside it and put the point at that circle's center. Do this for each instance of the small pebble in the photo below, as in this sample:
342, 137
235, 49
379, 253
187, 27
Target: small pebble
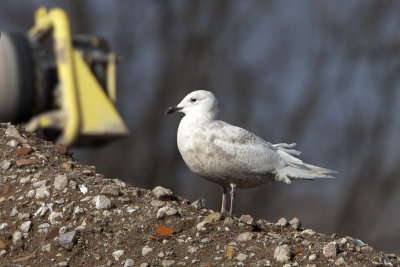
213, 217
118, 253
165, 212
46, 248
330, 250
282, 222
161, 192
54, 217
199, 204
241, 257
282, 253
14, 212
340, 262
101, 202
17, 237
26, 226
42, 192
68, 240
247, 219
129, 263
244, 236
157, 203
312, 257
60, 182
295, 223
110, 190
146, 250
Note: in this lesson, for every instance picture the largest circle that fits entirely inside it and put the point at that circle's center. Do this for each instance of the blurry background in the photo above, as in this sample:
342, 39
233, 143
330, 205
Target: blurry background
323, 74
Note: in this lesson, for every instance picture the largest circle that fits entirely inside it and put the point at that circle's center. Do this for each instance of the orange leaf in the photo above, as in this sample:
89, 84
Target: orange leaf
297, 251
161, 230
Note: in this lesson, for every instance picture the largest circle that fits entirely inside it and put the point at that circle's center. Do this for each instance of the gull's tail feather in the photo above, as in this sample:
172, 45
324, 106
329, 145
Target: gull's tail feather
296, 169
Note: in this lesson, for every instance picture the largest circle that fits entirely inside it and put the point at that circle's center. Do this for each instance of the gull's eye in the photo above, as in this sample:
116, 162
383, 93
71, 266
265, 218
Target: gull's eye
193, 100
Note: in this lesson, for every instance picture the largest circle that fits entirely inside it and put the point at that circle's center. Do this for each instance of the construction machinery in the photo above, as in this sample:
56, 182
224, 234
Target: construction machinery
61, 85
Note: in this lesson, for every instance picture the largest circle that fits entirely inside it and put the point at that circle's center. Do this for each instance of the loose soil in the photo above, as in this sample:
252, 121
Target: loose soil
55, 211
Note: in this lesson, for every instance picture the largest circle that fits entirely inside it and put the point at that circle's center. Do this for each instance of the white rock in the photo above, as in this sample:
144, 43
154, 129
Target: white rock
42, 210
85, 199
60, 182
244, 236
157, 203
241, 257
146, 250
14, 212
166, 211
247, 219
78, 210
31, 193
42, 192
25, 180
205, 241
26, 226
282, 253
83, 189
118, 253
54, 217
40, 183
63, 230
43, 226
282, 222
295, 223
162, 192
73, 185
312, 257
13, 132
17, 237
129, 263
101, 202
340, 262
13, 143
23, 216
201, 227
5, 164
192, 249
331, 249
343, 241
46, 248
309, 232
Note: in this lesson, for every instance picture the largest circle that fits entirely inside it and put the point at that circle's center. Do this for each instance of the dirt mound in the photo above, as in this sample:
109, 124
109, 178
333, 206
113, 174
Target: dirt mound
56, 211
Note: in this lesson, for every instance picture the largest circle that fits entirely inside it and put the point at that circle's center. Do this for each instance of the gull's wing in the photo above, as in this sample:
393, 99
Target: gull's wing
244, 148
249, 154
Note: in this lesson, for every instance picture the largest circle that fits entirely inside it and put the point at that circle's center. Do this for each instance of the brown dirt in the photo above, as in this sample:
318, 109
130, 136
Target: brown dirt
28, 170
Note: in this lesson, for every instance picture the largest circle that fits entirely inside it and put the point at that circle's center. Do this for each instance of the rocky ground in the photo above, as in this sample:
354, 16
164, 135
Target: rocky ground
55, 211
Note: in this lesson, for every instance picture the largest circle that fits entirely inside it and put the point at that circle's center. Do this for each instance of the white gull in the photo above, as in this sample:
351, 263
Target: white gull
232, 156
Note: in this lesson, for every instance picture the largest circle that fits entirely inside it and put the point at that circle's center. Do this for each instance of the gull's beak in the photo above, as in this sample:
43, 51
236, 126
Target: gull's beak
172, 110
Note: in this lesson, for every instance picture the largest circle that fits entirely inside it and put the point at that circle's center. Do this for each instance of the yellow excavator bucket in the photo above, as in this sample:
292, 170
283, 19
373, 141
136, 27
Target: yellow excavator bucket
86, 114
98, 116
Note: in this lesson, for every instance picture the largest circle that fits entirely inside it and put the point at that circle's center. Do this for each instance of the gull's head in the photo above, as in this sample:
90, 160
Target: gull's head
197, 102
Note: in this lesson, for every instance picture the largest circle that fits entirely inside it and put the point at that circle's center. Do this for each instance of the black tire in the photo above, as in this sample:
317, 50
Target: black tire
17, 78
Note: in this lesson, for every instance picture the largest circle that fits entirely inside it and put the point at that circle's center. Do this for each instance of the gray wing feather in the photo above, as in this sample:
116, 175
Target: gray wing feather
245, 148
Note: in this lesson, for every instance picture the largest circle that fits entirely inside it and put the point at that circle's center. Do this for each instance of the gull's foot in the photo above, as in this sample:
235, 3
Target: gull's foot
226, 214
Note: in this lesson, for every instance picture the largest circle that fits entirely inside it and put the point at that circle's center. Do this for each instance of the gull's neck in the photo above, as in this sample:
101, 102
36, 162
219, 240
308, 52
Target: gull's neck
199, 118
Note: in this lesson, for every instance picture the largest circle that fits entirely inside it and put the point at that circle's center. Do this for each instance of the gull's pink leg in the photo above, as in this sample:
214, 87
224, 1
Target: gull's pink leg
233, 187
224, 212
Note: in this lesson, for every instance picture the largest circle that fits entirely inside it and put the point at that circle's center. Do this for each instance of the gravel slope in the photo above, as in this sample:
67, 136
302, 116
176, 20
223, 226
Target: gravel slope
55, 211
